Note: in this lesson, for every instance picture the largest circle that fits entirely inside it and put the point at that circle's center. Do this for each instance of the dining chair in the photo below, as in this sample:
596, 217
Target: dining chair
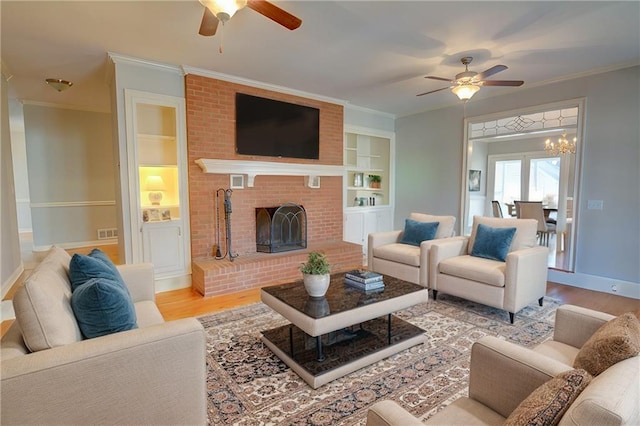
497, 210
534, 210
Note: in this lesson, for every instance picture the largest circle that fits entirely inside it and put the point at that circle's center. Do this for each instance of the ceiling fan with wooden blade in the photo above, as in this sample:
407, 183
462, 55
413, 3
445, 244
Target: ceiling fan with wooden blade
222, 10
467, 83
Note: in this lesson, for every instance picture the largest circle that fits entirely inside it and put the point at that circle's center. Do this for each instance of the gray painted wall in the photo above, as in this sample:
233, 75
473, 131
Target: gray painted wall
70, 162
429, 159
10, 263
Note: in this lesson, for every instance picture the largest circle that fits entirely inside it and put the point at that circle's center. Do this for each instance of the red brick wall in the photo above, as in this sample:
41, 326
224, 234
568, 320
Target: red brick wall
211, 134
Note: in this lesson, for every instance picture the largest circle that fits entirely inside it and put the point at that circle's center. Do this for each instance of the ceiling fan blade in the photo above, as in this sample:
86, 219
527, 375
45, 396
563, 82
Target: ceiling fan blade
209, 24
502, 83
274, 13
434, 91
491, 71
439, 78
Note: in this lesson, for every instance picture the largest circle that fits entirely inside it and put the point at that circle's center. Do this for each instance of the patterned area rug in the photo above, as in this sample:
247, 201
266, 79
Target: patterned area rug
249, 385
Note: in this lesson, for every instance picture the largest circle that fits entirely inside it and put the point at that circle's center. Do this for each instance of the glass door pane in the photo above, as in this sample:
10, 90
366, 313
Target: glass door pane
507, 184
544, 181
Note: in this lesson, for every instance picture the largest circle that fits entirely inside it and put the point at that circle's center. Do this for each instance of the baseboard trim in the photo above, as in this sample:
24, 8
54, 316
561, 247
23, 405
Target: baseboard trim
9, 282
596, 283
172, 283
77, 244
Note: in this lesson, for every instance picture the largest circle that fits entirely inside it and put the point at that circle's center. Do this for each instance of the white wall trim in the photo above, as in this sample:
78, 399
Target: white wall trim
370, 111
72, 204
595, 283
6, 286
173, 283
261, 85
78, 244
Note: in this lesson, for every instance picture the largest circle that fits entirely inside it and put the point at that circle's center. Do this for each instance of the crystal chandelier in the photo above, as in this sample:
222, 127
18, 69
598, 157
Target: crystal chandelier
562, 146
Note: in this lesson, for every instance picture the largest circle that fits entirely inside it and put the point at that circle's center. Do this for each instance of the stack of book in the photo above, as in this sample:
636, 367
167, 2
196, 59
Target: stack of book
364, 280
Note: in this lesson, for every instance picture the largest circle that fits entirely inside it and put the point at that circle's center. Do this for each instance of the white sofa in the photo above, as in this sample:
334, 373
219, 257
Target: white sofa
154, 374
503, 374
387, 255
509, 285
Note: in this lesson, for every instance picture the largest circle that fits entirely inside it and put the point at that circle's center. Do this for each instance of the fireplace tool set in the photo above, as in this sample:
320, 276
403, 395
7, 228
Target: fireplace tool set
226, 195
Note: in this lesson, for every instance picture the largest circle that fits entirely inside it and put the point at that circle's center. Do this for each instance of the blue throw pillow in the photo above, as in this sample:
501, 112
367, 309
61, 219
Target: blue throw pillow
416, 232
102, 307
492, 243
96, 265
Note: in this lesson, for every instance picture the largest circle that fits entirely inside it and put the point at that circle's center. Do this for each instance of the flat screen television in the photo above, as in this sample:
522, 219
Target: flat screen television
273, 128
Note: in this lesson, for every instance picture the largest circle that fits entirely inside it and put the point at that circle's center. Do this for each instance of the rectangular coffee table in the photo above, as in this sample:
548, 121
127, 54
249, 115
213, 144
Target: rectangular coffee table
342, 332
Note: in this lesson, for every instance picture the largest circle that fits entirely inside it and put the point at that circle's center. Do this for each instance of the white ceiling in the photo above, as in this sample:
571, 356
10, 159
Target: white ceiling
372, 54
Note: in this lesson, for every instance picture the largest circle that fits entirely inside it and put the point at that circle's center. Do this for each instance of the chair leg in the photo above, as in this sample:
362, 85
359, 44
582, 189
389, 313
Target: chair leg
512, 317
435, 294
540, 301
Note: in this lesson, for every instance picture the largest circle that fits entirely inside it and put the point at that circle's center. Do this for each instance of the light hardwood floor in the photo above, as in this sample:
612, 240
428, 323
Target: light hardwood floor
185, 303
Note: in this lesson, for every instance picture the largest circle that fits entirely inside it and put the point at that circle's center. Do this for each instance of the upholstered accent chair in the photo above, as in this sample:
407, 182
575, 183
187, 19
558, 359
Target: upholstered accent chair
387, 254
503, 374
497, 209
458, 267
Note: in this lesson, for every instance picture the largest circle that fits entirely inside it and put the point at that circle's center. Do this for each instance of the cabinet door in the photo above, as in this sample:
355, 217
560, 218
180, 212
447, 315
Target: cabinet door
354, 227
163, 246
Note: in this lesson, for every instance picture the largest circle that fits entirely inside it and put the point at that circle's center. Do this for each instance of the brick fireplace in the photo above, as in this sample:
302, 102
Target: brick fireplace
211, 135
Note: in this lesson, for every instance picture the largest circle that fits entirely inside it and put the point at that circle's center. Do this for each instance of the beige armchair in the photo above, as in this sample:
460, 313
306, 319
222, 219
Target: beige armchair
503, 374
510, 285
387, 255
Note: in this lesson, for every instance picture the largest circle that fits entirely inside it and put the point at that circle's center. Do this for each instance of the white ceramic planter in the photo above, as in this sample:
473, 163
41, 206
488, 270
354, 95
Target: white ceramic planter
316, 285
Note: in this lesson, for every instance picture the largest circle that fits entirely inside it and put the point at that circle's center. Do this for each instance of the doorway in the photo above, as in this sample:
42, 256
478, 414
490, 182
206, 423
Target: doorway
509, 149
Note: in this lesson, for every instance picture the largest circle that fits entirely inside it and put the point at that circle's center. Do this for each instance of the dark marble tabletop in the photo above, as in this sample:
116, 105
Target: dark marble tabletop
340, 297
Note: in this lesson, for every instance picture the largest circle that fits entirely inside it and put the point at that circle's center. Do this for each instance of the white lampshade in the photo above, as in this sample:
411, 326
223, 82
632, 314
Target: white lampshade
155, 185
223, 9
465, 91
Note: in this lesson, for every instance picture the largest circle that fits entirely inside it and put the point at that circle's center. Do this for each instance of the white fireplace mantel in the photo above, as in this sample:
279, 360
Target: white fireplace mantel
267, 168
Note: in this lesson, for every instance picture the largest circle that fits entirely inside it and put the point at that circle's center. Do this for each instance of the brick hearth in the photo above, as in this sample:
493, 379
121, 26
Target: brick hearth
213, 277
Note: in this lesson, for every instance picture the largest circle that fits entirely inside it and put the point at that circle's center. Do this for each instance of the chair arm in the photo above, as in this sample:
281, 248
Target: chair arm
502, 374
575, 325
441, 249
389, 413
377, 239
525, 277
140, 281
151, 375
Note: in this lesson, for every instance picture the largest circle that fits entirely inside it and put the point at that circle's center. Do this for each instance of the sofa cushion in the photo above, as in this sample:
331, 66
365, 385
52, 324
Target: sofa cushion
416, 232
43, 304
447, 223
526, 230
472, 268
103, 307
546, 405
615, 341
95, 265
400, 253
492, 243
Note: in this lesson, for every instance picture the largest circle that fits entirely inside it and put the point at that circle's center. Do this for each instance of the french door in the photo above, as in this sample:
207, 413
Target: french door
524, 177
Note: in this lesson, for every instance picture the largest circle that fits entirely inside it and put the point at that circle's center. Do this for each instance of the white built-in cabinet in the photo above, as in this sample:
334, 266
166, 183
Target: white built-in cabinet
368, 205
158, 184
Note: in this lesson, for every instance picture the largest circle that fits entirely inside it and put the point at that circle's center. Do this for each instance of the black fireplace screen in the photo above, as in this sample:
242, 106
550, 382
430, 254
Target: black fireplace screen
281, 228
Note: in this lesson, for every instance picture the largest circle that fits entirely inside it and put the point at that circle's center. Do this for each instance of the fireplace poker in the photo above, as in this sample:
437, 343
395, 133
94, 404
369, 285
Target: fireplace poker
218, 253
227, 219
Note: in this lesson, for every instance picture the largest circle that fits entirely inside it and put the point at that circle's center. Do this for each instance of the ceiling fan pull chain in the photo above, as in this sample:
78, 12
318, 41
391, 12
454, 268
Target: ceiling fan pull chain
221, 37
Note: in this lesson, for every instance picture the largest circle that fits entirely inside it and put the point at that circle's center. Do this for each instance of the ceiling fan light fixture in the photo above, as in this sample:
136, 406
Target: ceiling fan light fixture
58, 84
465, 91
223, 9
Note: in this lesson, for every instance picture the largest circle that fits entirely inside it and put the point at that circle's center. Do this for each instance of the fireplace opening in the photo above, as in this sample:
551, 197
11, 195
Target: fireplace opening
281, 228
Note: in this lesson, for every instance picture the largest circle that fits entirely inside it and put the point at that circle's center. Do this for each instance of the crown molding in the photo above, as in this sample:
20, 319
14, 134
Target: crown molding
370, 111
260, 85
63, 106
118, 58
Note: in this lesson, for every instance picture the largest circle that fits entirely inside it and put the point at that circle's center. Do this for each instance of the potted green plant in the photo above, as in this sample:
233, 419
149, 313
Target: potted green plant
315, 274
374, 181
